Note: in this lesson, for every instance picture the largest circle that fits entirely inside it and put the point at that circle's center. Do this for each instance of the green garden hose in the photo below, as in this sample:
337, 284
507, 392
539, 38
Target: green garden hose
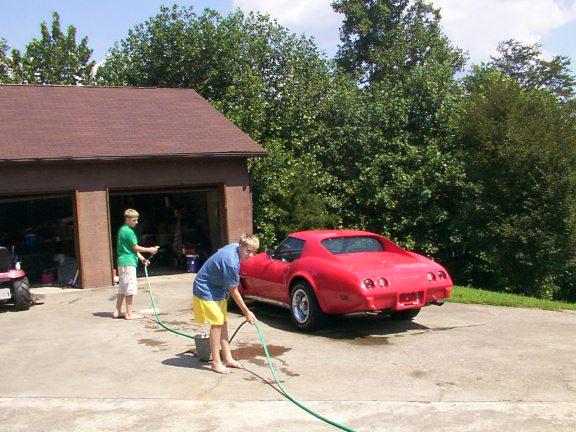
268, 359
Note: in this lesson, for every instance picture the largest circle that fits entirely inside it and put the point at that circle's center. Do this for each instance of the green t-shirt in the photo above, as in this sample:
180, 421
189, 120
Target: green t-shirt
126, 255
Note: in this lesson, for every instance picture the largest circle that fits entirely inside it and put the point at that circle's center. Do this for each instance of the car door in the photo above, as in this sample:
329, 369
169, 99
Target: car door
273, 276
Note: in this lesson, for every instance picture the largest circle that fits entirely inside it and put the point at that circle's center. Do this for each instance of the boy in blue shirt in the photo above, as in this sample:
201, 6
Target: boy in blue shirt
217, 280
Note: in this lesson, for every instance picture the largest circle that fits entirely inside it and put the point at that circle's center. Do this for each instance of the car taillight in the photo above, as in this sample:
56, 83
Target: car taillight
431, 276
383, 282
442, 275
368, 283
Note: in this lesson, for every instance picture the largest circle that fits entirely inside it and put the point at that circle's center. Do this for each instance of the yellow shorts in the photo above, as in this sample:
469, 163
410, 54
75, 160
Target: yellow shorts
211, 312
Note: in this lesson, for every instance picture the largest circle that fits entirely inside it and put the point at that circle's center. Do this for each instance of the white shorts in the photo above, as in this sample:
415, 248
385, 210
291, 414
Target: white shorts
128, 283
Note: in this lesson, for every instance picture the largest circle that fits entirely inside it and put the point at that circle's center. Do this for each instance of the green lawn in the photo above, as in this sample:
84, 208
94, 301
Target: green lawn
462, 294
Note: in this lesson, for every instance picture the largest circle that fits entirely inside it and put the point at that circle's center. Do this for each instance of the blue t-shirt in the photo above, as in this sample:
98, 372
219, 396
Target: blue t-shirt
220, 272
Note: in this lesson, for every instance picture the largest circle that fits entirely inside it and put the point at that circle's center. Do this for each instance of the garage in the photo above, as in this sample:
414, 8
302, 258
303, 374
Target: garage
40, 231
185, 223
77, 157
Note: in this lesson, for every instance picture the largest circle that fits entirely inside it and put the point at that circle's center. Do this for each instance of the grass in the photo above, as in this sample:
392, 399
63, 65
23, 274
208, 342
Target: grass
461, 294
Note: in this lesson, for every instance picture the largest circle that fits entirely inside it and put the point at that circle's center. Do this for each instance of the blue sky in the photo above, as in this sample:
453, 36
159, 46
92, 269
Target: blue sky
474, 25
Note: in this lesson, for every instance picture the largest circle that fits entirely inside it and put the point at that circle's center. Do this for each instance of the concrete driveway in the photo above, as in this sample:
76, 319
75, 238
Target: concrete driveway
68, 366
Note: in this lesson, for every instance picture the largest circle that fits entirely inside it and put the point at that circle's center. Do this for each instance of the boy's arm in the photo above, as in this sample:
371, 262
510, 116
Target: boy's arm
235, 294
152, 250
142, 259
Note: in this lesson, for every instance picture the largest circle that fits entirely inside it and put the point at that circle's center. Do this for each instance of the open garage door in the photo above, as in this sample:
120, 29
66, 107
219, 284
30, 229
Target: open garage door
185, 223
40, 229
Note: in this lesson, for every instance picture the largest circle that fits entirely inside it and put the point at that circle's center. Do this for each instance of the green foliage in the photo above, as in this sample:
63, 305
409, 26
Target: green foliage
302, 208
525, 65
407, 181
4, 64
55, 58
386, 39
519, 147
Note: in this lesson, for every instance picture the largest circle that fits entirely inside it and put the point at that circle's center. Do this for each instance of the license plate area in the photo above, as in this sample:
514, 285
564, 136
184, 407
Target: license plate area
410, 299
5, 294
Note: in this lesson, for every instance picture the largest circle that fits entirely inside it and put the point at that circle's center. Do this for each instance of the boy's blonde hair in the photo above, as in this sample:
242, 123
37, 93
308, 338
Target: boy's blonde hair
130, 213
250, 241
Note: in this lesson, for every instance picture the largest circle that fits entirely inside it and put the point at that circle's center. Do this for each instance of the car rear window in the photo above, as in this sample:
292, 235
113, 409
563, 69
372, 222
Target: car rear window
342, 245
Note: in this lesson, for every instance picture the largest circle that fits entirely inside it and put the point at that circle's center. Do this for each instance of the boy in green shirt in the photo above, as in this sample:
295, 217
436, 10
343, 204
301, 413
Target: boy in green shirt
128, 255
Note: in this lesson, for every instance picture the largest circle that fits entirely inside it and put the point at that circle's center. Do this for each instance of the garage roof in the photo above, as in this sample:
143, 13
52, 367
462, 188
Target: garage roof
72, 122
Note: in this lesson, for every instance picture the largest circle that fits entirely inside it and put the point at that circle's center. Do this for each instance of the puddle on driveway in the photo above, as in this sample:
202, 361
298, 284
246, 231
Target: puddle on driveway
250, 351
364, 339
153, 343
179, 325
418, 374
254, 353
371, 340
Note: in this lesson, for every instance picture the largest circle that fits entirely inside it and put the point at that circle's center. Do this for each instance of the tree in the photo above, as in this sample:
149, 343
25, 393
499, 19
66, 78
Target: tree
519, 147
55, 58
404, 174
386, 39
4, 65
525, 65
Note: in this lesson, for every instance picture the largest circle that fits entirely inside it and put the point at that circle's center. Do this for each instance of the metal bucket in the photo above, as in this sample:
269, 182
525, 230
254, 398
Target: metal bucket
202, 342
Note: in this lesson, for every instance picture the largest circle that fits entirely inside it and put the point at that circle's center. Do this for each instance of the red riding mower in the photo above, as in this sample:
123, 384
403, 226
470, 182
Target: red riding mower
14, 286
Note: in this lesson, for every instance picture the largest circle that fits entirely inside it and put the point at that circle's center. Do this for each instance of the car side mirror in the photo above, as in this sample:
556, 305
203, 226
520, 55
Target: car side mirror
270, 252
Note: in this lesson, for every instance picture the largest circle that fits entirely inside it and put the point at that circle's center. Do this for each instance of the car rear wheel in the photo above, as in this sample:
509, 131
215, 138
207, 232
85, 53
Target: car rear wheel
304, 308
21, 294
407, 314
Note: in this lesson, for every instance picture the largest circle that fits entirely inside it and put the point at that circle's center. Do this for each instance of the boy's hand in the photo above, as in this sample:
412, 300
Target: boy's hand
250, 317
154, 250
145, 262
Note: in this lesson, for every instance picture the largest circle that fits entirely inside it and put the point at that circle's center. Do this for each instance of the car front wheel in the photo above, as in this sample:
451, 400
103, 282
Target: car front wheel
304, 308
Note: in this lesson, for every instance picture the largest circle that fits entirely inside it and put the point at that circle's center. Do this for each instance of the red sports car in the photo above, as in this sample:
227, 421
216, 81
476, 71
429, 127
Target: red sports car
316, 273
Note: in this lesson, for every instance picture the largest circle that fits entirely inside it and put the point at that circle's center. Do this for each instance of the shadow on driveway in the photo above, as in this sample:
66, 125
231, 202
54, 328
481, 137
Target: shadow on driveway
338, 327
187, 359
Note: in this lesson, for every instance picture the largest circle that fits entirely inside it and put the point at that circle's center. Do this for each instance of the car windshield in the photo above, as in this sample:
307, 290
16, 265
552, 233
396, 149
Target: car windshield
343, 245
289, 250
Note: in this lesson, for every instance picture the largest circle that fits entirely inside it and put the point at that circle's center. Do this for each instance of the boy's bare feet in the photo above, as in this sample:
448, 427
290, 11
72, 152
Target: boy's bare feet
133, 316
219, 368
116, 313
234, 364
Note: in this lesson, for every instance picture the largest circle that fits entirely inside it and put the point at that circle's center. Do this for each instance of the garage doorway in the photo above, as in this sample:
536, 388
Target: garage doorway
41, 230
185, 223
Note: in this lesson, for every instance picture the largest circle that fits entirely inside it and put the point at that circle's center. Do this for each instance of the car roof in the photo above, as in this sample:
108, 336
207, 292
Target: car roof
320, 235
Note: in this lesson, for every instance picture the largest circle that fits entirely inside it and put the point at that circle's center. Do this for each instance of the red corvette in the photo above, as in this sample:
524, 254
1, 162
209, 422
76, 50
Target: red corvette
316, 273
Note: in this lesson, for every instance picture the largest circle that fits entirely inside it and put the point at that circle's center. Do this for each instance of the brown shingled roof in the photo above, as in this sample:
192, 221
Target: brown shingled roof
69, 122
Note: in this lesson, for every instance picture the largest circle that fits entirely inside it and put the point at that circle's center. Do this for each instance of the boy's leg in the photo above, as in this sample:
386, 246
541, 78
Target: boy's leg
129, 314
215, 344
226, 353
131, 291
118, 309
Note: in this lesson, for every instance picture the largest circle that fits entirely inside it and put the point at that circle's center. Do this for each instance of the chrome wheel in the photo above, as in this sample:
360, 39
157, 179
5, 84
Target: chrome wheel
300, 305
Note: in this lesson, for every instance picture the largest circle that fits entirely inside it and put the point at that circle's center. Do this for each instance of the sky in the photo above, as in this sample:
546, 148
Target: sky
475, 26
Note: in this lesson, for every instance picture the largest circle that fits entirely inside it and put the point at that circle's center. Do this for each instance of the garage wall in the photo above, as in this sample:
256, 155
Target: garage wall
90, 181
93, 233
238, 211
